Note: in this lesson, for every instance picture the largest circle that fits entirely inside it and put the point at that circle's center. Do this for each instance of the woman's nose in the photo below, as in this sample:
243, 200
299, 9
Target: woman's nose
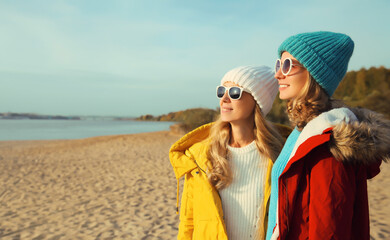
279, 74
226, 97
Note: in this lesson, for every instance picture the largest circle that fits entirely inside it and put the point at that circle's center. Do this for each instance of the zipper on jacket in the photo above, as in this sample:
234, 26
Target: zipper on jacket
178, 192
223, 215
177, 197
199, 167
287, 216
206, 175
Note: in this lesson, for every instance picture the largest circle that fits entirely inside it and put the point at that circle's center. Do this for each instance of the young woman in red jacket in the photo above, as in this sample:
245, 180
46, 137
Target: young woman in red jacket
319, 180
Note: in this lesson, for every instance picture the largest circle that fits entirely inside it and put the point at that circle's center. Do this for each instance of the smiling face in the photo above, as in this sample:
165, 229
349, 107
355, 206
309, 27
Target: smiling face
237, 111
292, 85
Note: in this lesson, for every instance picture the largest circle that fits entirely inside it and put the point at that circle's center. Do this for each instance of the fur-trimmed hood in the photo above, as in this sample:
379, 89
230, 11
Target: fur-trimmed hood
366, 140
358, 136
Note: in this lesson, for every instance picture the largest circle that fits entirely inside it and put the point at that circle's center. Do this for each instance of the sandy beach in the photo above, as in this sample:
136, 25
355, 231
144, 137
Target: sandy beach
112, 187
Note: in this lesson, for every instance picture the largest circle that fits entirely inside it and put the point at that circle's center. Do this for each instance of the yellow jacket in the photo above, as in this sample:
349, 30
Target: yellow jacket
201, 215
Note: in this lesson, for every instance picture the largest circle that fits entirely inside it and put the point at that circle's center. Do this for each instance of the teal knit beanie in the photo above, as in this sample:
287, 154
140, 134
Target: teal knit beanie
324, 54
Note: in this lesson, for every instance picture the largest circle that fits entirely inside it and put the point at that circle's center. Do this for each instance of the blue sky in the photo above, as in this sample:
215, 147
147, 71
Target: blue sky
129, 58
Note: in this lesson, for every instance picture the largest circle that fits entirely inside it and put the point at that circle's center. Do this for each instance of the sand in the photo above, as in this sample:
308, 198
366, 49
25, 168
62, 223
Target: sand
115, 187
112, 187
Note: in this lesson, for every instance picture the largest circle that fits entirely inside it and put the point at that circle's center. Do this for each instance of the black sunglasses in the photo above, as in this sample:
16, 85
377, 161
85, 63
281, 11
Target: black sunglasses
234, 93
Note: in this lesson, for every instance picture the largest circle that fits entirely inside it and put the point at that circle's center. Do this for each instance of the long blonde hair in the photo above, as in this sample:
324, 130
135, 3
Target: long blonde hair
311, 102
268, 141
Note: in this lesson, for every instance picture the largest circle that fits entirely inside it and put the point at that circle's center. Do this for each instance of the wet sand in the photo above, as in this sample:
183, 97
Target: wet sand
112, 187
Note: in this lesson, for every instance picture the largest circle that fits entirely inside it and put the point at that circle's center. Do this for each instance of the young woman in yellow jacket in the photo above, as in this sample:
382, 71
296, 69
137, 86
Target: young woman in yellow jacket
227, 164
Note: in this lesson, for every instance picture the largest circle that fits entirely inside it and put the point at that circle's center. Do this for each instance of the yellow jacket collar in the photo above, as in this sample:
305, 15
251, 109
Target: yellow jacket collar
191, 146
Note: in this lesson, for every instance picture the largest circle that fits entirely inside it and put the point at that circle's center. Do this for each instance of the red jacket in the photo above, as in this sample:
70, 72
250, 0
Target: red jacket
323, 188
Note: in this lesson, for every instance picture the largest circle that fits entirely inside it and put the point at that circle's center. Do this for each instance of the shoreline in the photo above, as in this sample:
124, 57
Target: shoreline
109, 187
26, 130
92, 137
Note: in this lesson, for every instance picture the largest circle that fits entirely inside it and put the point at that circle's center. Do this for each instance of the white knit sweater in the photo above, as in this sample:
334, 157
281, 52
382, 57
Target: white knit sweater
242, 200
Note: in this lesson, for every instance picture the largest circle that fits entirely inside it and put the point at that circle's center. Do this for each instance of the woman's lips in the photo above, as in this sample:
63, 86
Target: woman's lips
283, 86
226, 109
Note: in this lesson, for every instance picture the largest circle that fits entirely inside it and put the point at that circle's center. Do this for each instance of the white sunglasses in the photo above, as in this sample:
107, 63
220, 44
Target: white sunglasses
234, 92
285, 66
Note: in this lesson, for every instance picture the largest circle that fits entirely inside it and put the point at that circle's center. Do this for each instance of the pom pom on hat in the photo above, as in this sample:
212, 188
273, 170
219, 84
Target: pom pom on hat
259, 81
324, 54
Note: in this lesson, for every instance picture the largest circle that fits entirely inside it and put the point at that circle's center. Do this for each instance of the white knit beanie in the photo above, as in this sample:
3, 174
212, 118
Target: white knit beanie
259, 81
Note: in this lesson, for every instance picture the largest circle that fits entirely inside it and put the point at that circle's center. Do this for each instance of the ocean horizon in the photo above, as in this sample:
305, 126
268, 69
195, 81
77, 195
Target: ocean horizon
33, 129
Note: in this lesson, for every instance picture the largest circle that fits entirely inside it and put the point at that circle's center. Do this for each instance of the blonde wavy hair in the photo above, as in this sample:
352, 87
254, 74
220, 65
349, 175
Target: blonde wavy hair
268, 141
311, 102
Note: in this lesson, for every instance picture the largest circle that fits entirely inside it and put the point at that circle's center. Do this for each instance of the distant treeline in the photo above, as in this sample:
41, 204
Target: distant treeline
364, 88
13, 116
188, 119
367, 88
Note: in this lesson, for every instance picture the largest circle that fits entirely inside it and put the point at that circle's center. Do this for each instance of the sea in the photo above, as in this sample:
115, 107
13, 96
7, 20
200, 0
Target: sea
33, 129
